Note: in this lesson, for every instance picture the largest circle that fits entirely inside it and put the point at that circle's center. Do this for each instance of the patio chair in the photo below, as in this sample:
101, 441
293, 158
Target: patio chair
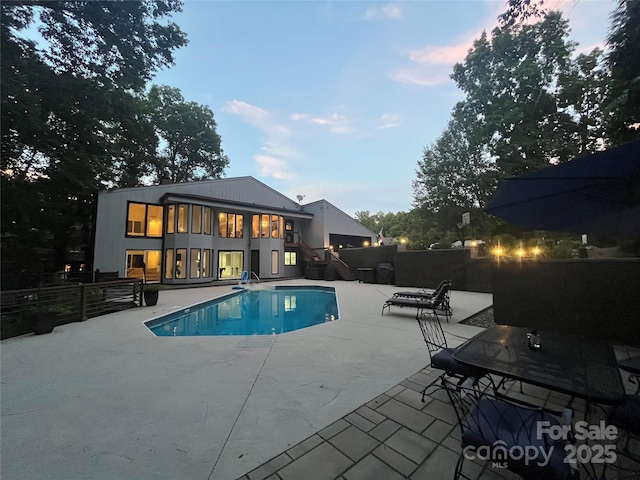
439, 303
632, 367
423, 293
625, 415
441, 355
500, 431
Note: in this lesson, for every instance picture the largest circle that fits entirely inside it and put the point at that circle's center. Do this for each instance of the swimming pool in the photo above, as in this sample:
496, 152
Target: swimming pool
252, 312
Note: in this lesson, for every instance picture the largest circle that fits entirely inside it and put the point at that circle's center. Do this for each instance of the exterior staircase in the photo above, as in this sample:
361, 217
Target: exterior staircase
330, 258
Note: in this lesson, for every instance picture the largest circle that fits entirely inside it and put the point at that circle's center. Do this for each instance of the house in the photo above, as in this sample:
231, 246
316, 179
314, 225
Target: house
213, 230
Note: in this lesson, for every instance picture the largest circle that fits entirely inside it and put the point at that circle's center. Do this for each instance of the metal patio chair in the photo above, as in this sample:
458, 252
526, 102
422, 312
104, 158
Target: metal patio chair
498, 431
441, 355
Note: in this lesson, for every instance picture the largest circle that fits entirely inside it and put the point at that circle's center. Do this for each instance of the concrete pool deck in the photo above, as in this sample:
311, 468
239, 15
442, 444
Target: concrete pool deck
106, 399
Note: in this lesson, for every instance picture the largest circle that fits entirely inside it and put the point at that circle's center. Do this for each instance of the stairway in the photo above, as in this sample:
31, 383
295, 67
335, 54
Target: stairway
341, 268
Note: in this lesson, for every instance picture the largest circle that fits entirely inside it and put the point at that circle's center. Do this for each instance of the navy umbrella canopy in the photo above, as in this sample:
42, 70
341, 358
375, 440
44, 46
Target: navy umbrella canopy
598, 193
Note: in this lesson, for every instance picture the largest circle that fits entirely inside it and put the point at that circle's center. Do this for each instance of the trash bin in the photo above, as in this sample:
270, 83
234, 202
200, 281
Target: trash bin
315, 272
329, 273
384, 273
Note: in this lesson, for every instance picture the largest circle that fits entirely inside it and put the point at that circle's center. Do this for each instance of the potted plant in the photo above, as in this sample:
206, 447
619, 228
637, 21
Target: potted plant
150, 293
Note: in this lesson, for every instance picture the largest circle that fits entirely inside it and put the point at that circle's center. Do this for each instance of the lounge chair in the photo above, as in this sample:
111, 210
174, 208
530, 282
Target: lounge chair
423, 293
439, 303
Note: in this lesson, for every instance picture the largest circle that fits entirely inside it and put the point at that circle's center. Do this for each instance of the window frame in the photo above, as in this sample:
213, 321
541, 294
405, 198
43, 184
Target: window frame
145, 221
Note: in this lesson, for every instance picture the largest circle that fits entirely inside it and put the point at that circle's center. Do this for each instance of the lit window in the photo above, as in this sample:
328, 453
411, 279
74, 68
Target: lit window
154, 221
207, 220
274, 226
239, 226
171, 219
196, 219
195, 263
181, 263
144, 220
168, 262
264, 224
136, 219
275, 262
281, 227
222, 224
206, 259
255, 226
230, 225
290, 258
182, 218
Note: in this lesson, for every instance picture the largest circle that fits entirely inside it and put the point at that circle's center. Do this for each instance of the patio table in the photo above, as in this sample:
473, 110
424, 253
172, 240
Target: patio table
575, 365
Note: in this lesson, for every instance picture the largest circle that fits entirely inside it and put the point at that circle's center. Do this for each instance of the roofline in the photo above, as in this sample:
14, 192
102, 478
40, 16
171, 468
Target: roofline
221, 202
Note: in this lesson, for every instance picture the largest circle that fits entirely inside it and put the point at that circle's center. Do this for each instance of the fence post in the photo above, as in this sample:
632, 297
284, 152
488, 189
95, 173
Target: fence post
83, 302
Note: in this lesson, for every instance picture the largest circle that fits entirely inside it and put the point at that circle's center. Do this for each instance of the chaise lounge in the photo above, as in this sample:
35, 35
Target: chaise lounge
424, 294
439, 303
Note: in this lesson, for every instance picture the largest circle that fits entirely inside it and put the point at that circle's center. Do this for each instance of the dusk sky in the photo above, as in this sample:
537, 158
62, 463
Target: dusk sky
338, 99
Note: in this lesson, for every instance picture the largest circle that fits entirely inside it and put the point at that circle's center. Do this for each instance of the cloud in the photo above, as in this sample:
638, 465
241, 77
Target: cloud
432, 64
335, 123
388, 120
276, 153
273, 167
388, 11
256, 116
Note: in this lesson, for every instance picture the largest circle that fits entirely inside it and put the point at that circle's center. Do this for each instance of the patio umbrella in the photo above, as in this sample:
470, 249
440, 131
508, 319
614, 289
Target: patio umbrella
598, 193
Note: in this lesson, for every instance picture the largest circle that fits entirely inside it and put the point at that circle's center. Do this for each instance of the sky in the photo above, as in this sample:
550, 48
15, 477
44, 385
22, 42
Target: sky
338, 99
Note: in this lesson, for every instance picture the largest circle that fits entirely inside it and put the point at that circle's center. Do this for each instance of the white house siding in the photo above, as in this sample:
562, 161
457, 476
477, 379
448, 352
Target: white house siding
315, 222
329, 219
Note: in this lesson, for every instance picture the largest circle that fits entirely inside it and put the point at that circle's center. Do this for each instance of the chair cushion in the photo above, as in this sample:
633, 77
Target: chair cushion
502, 425
443, 360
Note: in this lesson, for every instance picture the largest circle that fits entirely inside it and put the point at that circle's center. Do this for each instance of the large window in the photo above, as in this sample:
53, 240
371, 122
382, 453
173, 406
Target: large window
206, 263
144, 264
267, 226
290, 258
207, 220
230, 264
231, 225
181, 263
144, 220
195, 263
171, 218
168, 263
183, 212
196, 219
255, 226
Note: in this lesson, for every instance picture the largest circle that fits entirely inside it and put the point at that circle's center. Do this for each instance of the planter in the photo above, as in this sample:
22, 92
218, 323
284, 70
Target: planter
150, 297
44, 324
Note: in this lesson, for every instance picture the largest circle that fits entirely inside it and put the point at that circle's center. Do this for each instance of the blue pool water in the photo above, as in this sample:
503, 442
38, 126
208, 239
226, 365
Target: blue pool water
252, 312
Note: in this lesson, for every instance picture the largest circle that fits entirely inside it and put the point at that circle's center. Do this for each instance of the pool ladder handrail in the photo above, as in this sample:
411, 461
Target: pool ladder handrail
255, 275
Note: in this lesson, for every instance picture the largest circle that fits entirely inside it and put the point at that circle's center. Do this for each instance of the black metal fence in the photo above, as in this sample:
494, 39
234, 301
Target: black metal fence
40, 310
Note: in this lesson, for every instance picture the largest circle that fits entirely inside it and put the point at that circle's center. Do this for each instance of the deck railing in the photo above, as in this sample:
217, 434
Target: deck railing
33, 309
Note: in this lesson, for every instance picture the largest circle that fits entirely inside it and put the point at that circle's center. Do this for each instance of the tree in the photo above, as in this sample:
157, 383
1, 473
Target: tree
624, 44
456, 175
522, 10
190, 144
510, 84
69, 109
